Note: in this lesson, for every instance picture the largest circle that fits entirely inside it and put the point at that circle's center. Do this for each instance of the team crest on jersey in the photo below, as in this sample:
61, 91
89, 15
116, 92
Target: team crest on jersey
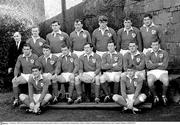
138, 59
133, 35
153, 31
40, 43
42, 84
71, 59
161, 55
94, 60
109, 34
32, 61
61, 37
84, 35
115, 58
52, 62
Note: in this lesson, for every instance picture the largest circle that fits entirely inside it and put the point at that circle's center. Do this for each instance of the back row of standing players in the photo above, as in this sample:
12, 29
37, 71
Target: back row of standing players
71, 59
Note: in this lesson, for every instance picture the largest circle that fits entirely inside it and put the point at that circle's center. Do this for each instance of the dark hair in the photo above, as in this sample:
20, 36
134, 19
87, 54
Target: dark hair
155, 41
56, 22
127, 18
90, 44
148, 15
36, 67
102, 18
26, 45
35, 26
78, 20
132, 41
64, 46
111, 42
46, 46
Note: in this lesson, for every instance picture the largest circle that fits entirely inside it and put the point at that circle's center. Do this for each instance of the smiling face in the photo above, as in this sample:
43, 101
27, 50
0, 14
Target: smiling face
35, 32
88, 50
46, 52
78, 26
36, 72
65, 50
26, 50
17, 36
155, 46
55, 27
133, 47
111, 47
147, 21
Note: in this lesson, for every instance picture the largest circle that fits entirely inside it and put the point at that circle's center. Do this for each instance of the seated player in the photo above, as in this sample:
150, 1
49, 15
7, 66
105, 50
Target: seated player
38, 92
112, 65
66, 70
131, 95
134, 60
47, 62
156, 63
89, 71
22, 70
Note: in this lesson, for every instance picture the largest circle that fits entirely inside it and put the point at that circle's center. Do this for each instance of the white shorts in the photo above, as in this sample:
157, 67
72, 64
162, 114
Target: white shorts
78, 53
66, 76
89, 73
47, 75
111, 75
100, 53
145, 50
123, 52
142, 97
25, 76
157, 73
57, 54
141, 74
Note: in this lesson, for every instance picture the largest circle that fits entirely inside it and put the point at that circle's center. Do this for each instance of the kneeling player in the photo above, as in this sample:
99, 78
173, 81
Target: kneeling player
89, 71
157, 62
112, 64
67, 67
130, 89
38, 92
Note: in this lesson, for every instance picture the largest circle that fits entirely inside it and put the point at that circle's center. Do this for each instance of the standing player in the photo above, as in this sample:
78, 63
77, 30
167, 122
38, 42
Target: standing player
57, 38
112, 63
157, 63
22, 70
38, 92
130, 91
134, 60
150, 32
102, 35
66, 71
36, 42
127, 34
78, 38
89, 71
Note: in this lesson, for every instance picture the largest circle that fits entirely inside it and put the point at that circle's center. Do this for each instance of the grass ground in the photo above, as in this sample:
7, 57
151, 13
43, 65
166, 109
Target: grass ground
8, 113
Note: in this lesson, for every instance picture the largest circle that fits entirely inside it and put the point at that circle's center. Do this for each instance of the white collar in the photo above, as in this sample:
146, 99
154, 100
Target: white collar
82, 30
134, 77
152, 24
35, 38
107, 28
137, 53
112, 53
41, 77
157, 51
92, 54
50, 56
127, 30
59, 32
66, 55
27, 56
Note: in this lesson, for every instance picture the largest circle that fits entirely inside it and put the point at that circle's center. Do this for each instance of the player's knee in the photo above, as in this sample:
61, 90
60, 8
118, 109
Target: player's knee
142, 97
115, 97
22, 97
102, 79
47, 97
116, 78
150, 80
164, 80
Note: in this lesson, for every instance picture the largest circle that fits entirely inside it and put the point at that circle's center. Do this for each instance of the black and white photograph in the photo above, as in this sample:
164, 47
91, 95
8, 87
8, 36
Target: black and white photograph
89, 62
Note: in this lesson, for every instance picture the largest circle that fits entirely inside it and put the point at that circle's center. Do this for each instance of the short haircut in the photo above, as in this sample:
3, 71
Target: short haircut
46, 46
64, 46
127, 18
36, 67
111, 42
90, 44
132, 41
155, 41
56, 22
102, 18
148, 15
78, 20
26, 45
17, 32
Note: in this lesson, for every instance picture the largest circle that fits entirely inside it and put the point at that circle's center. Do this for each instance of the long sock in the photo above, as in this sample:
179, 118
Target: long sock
97, 87
105, 89
116, 88
164, 90
78, 89
55, 89
88, 90
152, 89
16, 92
71, 88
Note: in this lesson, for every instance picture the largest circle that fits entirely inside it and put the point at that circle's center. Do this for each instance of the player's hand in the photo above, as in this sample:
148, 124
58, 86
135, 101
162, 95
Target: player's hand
115, 64
9, 70
160, 64
31, 105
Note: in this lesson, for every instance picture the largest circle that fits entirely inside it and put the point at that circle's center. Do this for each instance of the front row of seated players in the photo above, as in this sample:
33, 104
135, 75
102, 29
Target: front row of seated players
90, 64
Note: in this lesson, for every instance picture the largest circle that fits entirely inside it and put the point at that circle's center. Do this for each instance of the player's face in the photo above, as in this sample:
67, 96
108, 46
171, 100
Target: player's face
17, 37
88, 49
55, 27
65, 51
132, 47
155, 46
130, 73
26, 50
111, 47
127, 24
46, 52
147, 21
102, 24
78, 26
35, 32
36, 73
